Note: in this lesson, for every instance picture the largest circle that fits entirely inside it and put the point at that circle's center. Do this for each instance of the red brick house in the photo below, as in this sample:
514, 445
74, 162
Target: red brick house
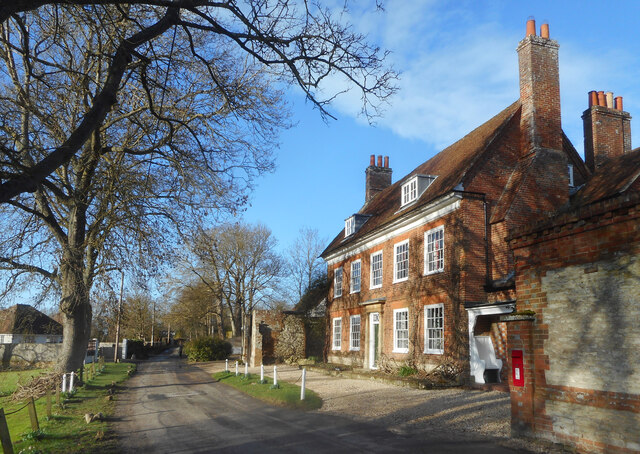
423, 270
576, 359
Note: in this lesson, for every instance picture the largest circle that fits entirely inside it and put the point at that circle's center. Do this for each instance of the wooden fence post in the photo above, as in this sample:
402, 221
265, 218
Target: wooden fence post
32, 415
5, 438
49, 404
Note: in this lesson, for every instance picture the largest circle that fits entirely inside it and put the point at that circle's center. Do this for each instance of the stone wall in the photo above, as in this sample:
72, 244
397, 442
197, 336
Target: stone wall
580, 274
276, 337
22, 354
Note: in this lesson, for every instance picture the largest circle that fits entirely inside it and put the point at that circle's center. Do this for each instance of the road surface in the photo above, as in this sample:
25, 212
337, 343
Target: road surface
171, 407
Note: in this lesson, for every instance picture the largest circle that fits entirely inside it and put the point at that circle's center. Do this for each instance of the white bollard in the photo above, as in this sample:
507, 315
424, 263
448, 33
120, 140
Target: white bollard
71, 382
236, 368
246, 370
64, 383
275, 376
226, 365
261, 372
304, 380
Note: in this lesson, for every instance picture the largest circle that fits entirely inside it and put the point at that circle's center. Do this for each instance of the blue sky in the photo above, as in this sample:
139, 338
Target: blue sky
458, 67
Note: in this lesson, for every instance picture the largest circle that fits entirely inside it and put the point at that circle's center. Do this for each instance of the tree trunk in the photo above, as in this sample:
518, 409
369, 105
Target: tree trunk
76, 314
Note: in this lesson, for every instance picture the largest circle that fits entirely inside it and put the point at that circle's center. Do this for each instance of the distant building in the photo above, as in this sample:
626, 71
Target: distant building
24, 324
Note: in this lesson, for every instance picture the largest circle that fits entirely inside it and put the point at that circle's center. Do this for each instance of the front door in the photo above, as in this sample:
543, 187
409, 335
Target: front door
374, 339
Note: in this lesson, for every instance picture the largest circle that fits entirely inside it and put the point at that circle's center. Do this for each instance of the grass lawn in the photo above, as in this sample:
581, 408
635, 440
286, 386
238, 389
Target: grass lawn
66, 431
286, 394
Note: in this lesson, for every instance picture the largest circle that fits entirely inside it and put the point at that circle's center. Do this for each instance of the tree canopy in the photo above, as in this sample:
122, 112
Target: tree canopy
299, 43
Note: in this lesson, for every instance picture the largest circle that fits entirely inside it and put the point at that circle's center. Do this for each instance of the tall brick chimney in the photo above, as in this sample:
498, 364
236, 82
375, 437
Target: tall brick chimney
607, 129
540, 126
539, 90
378, 177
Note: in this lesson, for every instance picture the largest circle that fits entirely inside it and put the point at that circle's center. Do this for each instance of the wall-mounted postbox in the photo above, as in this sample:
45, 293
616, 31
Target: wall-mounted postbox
517, 367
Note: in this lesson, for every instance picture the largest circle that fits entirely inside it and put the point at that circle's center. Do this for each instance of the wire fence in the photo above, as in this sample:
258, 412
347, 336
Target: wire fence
67, 386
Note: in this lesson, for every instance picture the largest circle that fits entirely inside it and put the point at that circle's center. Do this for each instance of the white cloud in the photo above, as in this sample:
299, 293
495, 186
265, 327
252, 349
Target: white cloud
459, 68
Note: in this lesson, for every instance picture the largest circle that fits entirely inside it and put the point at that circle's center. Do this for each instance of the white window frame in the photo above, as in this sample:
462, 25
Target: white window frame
410, 191
433, 329
396, 331
336, 343
354, 337
570, 170
349, 226
373, 271
396, 263
431, 264
337, 286
356, 276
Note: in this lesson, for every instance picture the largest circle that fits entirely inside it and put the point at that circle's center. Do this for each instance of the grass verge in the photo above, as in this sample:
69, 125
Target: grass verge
286, 394
67, 431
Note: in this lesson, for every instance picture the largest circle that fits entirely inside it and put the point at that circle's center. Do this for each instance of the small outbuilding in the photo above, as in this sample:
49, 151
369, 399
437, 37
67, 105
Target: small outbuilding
24, 324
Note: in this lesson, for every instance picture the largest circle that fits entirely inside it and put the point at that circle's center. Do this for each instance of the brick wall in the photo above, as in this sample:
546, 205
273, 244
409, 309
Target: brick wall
580, 274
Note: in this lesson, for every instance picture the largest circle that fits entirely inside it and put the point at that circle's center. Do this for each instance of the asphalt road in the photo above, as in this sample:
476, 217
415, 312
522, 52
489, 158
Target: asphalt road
171, 407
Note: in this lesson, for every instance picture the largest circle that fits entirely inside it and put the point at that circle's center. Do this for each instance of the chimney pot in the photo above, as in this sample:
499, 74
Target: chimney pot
601, 99
593, 98
544, 31
531, 27
609, 97
378, 178
618, 103
372, 160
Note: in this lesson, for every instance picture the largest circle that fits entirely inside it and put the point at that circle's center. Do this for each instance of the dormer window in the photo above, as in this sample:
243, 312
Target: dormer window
349, 226
352, 224
410, 191
415, 187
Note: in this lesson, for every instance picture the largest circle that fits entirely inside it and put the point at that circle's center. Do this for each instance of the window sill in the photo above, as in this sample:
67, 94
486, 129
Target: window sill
401, 280
336, 349
434, 352
355, 291
429, 273
354, 349
404, 350
375, 287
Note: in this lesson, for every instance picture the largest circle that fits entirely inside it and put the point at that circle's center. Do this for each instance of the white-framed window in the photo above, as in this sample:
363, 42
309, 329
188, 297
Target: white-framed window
354, 330
401, 261
337, 283
376, 270
434, 329
570, 170
337, 334
1, 338
349, 226
410, 191
401, 330
356, 268
434, 250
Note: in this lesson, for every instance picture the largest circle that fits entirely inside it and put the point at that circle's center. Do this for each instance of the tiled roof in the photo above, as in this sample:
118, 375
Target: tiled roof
611, 179
450, 166
25, 319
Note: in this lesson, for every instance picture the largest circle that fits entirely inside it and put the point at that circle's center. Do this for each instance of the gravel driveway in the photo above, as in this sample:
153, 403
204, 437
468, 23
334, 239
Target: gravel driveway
447, 414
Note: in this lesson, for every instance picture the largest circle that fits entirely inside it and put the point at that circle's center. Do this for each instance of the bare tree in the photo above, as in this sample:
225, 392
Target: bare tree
304, 262
240, 260
196, 310
300, 43
166, 155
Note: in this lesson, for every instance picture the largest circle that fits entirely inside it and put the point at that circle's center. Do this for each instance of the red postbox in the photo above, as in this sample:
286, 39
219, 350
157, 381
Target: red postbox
517, 368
